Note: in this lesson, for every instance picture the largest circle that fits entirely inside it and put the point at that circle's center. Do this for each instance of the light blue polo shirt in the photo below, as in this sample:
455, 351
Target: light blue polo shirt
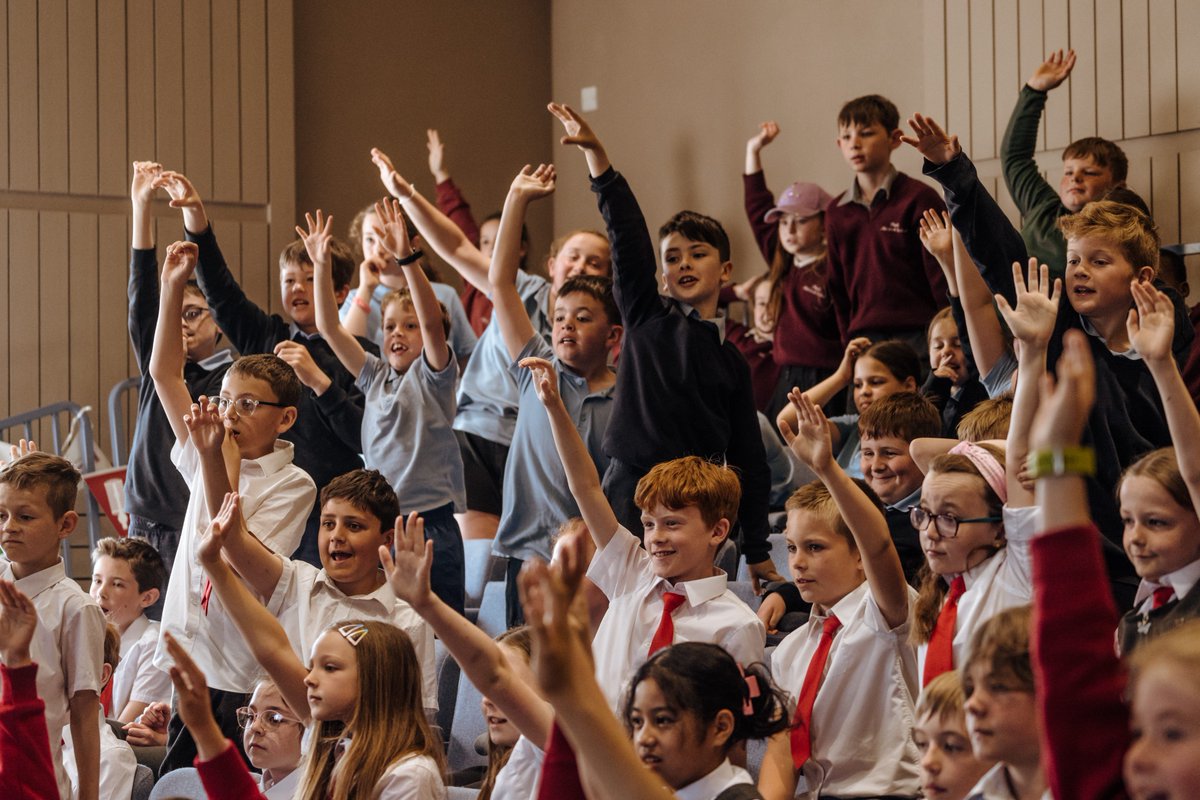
534, 477
407, 433
488, 394
462, 336
849, 457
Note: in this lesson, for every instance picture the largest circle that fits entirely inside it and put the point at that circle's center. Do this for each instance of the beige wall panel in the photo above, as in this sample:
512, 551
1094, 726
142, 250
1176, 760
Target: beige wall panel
260, 284
1032, 43
82, 97
3, 112
1189, 196
984, 142
958, 73
168, 83
1056, 35
1140, 179
1006, 50
54, 335
140, 81
254, 101
1165, 196
229, 235
1005, 201
1135, 33
23, 310
934, 14
1164, 89
1110, 86
6, 323
1187, 22
1083, 77
114, 350
281, 134
111, 101
227, 144
23, 96
52, 96
197, 93
84, 314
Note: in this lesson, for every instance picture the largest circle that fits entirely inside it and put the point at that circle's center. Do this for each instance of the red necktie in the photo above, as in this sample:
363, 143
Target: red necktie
106, 698
801, 735
665, 635
206, 595
1162, 596
939, 657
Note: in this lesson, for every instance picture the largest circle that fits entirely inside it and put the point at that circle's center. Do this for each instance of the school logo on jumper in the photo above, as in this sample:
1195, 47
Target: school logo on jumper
893, 227
816, 289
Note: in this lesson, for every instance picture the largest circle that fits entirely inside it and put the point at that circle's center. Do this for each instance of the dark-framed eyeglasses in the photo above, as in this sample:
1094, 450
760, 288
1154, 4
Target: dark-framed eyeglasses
194, 314
946, 524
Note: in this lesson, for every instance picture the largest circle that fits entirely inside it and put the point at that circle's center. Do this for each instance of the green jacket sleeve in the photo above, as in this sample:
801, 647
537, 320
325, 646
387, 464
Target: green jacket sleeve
1025, 182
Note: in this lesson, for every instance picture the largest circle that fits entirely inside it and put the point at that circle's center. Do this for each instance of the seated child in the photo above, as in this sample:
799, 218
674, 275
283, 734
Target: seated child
230, 443
849, 671
127, 577
988, 420
271, 741
155, 494
1173, 271
409, 393
118, 764
756, 343
950, 386
683, 390
37, 498
327, 431
586, 329
949, 768
357, 512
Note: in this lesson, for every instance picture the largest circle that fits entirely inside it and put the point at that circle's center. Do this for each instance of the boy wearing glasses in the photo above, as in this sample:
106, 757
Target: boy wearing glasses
155, 494
222, 446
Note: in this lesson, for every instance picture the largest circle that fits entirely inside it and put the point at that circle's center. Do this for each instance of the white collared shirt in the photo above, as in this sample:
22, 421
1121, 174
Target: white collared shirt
994, 786
863, 716
286, 788
118, 764
136, 678
1181, 580
1003, 581
308, 603
411, 778
518, 779
277, 497
68, 647
715, 782
712, 613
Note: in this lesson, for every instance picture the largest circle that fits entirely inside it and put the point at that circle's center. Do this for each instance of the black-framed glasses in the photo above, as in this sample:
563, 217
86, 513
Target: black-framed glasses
193, 314
946, 524
244, 406
246, 717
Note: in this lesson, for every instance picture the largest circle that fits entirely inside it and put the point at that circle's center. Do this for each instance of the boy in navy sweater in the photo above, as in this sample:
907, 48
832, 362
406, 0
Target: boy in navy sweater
681, 388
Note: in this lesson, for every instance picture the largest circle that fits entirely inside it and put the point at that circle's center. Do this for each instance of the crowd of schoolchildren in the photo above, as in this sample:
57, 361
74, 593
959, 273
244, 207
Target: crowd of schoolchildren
964, 430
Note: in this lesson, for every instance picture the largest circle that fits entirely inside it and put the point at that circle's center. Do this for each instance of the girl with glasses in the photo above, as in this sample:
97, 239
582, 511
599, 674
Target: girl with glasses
271, 737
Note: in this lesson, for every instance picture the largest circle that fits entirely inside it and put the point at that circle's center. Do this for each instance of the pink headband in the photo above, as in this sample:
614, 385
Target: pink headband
987, 465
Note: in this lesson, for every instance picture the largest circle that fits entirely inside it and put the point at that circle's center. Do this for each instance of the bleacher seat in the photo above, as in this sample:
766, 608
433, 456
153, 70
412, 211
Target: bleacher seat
745, 592
182, 783
461, 793
756, 749
143, 783
481, 567
448, 677
466, 727
492, 619
778, 556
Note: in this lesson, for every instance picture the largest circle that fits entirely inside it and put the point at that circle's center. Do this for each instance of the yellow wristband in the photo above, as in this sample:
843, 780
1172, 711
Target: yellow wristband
1058, 461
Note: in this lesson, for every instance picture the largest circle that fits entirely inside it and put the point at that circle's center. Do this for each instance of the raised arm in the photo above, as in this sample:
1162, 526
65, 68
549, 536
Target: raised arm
827, 389
316, 241
582, 478
263, 634
143, 264
438, 230
184, 197
767, 131
480, 658
509, 310
880, 561
983, 326
1021, 172
169, 355
1032, 324
220, 461
393, 238
22, 712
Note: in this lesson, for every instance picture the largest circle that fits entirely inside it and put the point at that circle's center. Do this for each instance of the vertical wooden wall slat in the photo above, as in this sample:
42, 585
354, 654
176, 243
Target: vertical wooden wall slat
23, 308
140, 47
1055, 36
1110, 86
1083, 77
1030, 47
226, 114
4, 106
23, 96
1164, 171
1140, 179
81, 97
1164, 90
1008, 79
256, 261
87, 273
6, 351
168, 83
281, 142
1189, 195
958, 72
113, 338
934, 59
1135, 38
1187, 22
111, 101
53, 152
253, 60
54, 340
197, 94
984, 143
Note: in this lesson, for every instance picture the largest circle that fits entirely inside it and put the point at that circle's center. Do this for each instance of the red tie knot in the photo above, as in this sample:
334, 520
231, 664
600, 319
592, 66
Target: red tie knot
830, 626
1162, 596
957, 587
672, 601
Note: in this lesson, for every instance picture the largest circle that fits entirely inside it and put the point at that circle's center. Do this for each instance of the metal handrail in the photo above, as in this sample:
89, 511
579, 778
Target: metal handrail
116, 419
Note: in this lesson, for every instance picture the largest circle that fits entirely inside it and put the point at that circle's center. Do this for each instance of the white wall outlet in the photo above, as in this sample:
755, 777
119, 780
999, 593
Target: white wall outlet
587, 99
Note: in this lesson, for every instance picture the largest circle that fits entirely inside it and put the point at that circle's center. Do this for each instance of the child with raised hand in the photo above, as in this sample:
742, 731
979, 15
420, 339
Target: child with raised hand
26, 766
849, 672
586, 330
364, 684
497, 670
949, 767
790, 233
409, 392
683, 390
488, 395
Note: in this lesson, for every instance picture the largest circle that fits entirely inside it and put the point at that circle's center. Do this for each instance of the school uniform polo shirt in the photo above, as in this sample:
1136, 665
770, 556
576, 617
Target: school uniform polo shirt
864, 713
136, 678
462, 336
534, 477
276, 498
1003, 581
68, 647
308, 603
711, 614
488, 395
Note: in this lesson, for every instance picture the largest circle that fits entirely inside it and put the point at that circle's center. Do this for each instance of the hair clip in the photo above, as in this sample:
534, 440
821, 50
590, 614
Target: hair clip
353, 632
752, 691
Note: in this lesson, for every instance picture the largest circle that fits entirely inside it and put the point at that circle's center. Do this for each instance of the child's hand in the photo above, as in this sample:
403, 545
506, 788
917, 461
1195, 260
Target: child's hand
437, 156
937, 236
141, 192
21, 449
183, 194
1064, 408
180, 263
1151, 325
767, 131
533, 184
945, 367
545, 380
856, 348
392, 233
771, 610
1053, 71
18, 621
316, 239
1032, 321
299, 359
150, 728
931, 141
408, 572
547, 593
811, 442
578, 132
206, 427
397, 187
370, 273
227, 520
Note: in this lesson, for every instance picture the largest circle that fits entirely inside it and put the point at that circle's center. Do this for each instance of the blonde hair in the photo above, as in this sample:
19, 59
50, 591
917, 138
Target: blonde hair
1129, 228
388, 722
1002, 644
987, 420
691, 481
1162, 467
942, 697
54, 473
404, 298
814, 497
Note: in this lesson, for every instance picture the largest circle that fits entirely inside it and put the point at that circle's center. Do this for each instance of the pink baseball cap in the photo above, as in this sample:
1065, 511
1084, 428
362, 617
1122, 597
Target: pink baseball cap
804, 199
